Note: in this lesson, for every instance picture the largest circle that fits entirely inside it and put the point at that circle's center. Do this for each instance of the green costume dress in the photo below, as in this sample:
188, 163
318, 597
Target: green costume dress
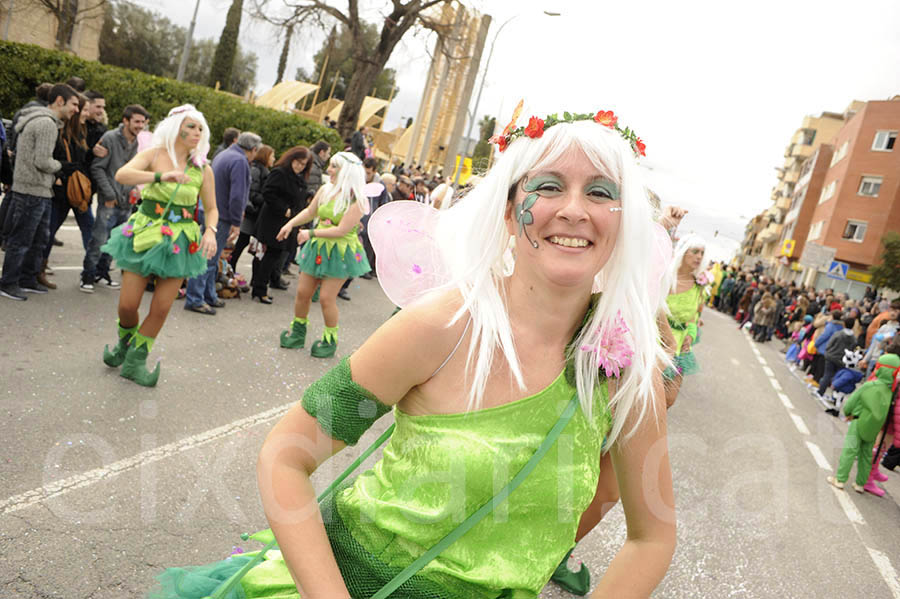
684, 313
333, 257
435, 471
176, 254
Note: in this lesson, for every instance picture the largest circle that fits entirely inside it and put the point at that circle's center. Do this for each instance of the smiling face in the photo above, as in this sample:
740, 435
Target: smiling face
565, 217
190, 132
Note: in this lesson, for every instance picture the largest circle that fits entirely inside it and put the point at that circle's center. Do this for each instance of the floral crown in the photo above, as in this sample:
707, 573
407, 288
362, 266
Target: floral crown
536, 127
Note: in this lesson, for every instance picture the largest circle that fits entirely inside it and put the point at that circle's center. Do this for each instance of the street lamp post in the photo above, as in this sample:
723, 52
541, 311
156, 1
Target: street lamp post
185, 53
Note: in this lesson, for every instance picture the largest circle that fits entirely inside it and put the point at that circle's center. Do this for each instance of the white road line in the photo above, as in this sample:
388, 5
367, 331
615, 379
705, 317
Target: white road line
761, 360
78, 481
798, 422
775, 384
849, 509
883, 563
755, 350
735, 362
818, 456
67, 268
786, 401
768, 371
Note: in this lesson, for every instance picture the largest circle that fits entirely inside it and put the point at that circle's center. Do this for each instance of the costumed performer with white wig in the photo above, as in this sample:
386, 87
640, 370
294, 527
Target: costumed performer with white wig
334, 252
161, 238
686, 298
506, 391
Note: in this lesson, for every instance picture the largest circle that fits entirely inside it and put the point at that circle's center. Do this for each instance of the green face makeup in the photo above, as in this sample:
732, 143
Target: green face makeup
602, 190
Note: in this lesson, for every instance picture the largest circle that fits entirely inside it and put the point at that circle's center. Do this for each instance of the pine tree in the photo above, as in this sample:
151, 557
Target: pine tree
223, 62
887, 274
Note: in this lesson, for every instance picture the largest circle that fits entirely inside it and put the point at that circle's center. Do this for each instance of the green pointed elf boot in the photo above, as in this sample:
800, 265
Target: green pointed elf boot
327, 345
296, 337
115, 357
577, 583
135, 366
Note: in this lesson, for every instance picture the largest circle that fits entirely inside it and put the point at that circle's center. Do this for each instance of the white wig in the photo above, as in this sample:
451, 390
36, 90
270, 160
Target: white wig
349, 183
473, 237
688, 242
168, 129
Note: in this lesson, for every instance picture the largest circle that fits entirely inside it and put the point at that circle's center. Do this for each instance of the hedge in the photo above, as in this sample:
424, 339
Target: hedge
23, 67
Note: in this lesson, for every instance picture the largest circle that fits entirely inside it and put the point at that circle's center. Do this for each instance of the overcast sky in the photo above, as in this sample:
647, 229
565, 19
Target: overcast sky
715, 89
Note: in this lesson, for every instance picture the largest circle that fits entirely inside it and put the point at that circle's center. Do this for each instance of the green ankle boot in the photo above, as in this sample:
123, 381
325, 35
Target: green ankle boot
327, 345
135, 366
577, 583
115, 357
296, 337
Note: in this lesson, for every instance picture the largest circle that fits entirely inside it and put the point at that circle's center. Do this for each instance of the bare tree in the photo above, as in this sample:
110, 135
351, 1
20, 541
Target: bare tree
368, 62
68, 14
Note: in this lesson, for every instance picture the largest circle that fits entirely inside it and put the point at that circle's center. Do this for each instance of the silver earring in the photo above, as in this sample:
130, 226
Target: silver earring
616, 209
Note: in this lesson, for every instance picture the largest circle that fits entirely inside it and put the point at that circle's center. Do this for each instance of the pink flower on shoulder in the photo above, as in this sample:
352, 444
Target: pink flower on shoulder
704, 278
612, 350
128, 230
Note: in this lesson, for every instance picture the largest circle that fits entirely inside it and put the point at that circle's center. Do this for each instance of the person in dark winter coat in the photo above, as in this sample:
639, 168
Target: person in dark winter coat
285, 189
259, 172
834, 353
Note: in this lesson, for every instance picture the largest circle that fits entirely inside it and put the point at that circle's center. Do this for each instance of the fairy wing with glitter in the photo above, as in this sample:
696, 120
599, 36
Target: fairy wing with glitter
409, 263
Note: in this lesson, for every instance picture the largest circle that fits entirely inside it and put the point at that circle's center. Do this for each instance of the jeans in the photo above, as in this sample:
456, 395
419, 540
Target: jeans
28, 220
58, 214
831, 369
96, 263
202, 288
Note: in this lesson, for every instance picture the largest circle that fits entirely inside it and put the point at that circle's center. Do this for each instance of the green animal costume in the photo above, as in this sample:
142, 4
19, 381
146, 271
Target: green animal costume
868, 406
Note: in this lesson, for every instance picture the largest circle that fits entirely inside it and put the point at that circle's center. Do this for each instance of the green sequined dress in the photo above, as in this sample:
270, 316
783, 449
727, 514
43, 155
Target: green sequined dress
178, 254
333, 257
684, 312
435, 471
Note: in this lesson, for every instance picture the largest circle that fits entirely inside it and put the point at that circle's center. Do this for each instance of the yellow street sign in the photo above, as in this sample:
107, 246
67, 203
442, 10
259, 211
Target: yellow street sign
787, 248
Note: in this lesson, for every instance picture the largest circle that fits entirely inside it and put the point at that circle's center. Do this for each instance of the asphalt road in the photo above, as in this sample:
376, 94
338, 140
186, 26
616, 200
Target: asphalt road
105, 483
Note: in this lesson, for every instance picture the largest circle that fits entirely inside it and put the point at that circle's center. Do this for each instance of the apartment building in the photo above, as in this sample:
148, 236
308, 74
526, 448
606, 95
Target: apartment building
860, 197
73, 25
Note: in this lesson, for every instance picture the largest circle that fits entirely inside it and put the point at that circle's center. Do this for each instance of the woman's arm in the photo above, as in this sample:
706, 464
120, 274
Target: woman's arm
137, 170
645, 483
208, 196
401, 354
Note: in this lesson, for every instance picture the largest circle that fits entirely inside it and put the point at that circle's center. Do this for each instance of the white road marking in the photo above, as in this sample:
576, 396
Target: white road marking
786, 401
761, 360
818, 456
78, 481
849, 509
775, 384
735, 362
768, 371
798, 422
883, 563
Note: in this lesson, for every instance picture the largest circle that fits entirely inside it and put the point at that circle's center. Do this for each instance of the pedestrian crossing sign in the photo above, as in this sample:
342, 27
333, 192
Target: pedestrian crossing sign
787, 248
838, 270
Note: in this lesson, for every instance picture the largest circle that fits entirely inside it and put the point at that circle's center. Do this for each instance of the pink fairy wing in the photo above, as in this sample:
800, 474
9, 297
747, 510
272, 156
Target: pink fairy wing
373, 189
409, 262
144, 139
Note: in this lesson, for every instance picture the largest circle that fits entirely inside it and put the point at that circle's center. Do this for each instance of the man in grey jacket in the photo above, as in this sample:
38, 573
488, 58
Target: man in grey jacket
32, 188
114, 200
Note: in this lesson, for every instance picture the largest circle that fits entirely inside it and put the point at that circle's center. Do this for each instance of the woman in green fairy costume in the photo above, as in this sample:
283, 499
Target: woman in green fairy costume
687, 295
477, 374
161, 239
333, 253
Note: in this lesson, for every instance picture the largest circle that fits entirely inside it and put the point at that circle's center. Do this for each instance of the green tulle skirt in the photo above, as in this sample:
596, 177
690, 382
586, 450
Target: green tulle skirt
171, 258
327, 260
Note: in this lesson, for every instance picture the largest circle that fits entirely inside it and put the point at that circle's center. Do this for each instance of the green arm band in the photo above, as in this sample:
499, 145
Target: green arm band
692, 330
344, 409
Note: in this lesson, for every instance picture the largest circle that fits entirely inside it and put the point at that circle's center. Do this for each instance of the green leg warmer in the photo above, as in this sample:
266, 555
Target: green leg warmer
327, 345
577, 583
295, 338
115, 357
135, 366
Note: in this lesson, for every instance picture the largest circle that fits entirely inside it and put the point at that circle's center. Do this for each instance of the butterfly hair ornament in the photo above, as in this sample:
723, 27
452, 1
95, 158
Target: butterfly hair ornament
536, 127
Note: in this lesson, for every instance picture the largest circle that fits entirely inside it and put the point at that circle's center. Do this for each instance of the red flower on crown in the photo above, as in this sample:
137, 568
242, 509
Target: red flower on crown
500, 140
535, 127
640, 146
606, 118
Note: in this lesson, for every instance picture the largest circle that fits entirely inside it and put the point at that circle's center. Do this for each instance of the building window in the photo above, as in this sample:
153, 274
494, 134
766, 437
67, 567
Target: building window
855, 230
828, 191
815, 231
808, 136
869, 186
841, 152
884, 141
